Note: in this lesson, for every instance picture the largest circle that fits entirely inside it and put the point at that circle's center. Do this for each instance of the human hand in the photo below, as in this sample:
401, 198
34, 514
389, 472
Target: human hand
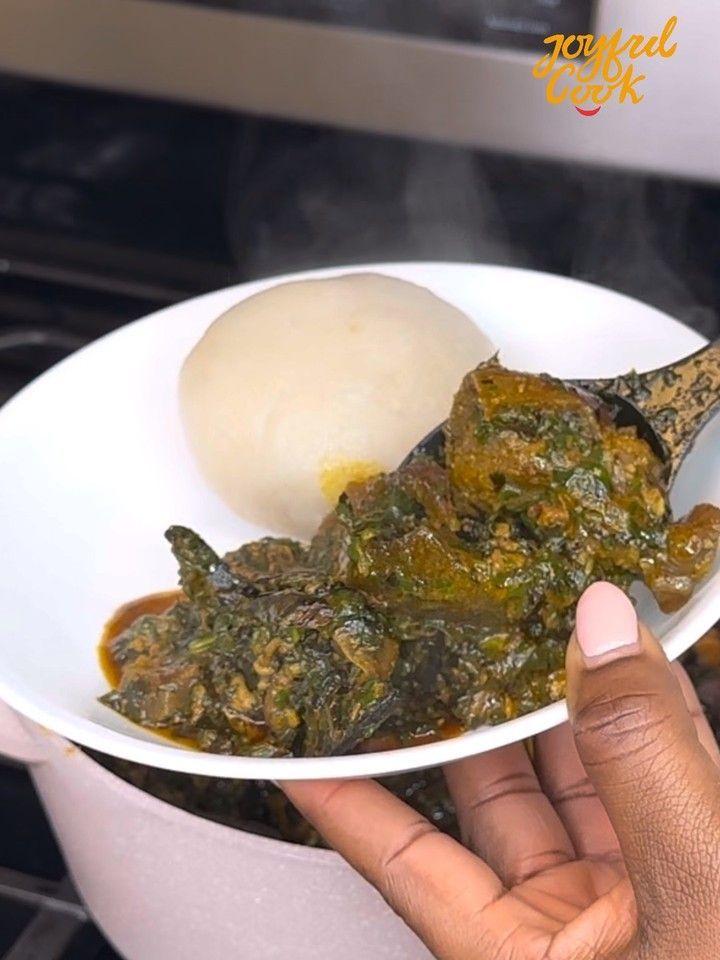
607, 847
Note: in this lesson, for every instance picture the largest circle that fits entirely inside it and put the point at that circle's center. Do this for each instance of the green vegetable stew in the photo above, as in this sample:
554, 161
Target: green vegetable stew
432, 600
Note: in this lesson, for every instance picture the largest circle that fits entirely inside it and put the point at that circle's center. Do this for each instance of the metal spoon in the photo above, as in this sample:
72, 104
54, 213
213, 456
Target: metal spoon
668, 407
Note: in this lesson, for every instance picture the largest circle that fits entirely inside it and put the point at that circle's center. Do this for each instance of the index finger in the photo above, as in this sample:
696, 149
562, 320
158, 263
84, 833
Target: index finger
435, 884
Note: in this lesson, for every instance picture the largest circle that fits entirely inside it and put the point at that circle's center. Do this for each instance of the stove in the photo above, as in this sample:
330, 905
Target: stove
41, 917
114, 206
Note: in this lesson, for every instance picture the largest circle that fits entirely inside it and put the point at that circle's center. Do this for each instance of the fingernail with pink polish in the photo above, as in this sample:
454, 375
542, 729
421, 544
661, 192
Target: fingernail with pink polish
606, 624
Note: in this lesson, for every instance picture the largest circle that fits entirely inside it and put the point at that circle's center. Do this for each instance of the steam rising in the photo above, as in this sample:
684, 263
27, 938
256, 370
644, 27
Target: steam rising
329, 197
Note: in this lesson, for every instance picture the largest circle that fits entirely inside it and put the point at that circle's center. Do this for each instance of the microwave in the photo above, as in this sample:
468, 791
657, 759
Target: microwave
455, 71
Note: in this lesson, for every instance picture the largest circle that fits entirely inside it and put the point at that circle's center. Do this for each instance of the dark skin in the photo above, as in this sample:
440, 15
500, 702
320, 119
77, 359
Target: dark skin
606, 847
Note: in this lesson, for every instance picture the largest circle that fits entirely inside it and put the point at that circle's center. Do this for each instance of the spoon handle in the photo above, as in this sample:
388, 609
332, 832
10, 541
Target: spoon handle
677, 400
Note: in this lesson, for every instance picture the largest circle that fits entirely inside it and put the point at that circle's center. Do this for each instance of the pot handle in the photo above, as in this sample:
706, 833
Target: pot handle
15, 741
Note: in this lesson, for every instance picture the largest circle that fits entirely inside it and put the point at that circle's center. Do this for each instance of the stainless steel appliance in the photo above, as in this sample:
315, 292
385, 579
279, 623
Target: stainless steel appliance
458, 71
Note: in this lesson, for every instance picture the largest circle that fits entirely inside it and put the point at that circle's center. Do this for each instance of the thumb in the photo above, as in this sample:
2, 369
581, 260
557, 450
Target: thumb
639, 747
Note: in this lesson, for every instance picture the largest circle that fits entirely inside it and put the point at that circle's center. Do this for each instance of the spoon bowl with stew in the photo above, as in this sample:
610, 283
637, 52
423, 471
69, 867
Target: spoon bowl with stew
667, 407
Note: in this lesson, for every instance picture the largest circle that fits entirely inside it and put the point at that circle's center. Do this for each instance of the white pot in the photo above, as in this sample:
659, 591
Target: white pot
164, 884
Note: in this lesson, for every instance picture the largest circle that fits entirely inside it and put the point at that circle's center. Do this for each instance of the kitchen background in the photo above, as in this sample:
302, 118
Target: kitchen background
131, 178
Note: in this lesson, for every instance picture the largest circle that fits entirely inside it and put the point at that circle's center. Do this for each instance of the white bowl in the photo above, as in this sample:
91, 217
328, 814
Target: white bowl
93, 468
